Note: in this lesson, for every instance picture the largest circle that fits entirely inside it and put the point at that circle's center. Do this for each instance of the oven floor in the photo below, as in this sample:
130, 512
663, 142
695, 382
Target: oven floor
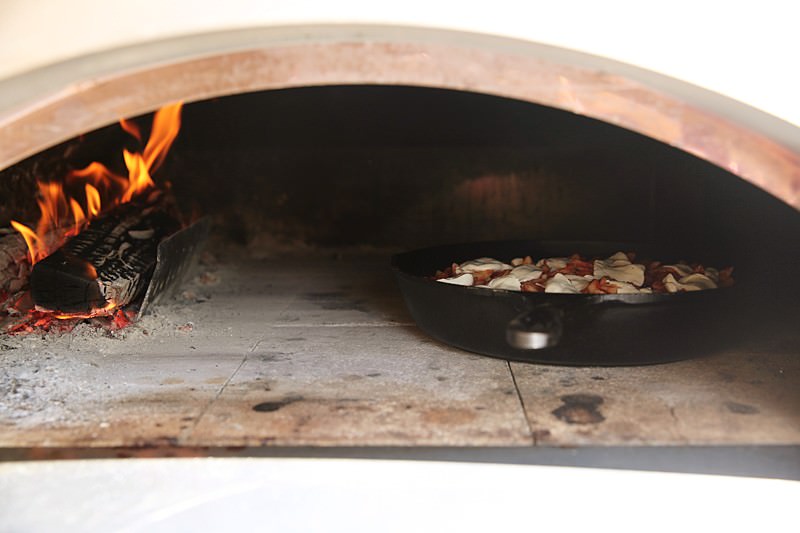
307, 352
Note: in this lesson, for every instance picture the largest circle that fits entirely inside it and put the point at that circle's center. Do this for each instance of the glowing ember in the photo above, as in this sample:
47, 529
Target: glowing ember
44, 321
64, 216
102, 311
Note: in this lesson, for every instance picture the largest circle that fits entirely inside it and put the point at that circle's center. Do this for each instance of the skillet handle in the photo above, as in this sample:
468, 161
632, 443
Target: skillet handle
536, 328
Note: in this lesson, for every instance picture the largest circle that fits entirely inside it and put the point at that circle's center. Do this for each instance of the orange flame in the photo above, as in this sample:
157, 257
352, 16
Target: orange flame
77, 213
63, 216
35, 245
139, 178
132, 128
92, 200
100, 311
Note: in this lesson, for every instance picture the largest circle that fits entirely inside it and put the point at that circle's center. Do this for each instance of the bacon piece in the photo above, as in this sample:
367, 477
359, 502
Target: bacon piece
658, 286
593, 287
500, 273
481, 276
600, 286
607, 287
725, 277
659, 273
577, 266
448, 272
532, 285
544, 266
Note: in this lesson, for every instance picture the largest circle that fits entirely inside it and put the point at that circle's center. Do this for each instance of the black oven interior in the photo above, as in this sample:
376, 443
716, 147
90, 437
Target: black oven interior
393, 168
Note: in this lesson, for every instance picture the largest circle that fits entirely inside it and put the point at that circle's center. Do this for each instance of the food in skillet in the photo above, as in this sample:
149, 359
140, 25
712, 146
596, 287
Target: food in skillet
618, 274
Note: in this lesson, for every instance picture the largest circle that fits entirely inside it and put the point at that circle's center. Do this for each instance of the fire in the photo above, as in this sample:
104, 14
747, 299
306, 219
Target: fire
68, 206
63, 216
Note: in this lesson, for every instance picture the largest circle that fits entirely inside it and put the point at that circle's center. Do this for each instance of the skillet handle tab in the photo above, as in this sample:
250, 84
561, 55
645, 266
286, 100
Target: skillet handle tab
536, 328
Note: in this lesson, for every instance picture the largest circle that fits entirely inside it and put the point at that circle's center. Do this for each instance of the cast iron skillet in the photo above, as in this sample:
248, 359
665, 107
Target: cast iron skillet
564, 329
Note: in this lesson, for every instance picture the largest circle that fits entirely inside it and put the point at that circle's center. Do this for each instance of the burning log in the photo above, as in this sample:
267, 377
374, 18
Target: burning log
15, 301
13, 263
107, 265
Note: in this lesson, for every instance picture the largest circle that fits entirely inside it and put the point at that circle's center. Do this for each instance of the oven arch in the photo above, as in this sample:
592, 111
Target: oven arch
41, 108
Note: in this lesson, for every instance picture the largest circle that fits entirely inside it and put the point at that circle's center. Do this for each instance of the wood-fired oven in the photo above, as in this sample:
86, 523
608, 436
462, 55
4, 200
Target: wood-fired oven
317, 152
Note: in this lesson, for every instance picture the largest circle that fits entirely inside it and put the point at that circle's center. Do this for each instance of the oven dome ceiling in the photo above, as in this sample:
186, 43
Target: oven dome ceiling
94, 80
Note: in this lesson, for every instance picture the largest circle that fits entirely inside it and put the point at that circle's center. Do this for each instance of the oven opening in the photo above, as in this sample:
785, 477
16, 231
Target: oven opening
291, 330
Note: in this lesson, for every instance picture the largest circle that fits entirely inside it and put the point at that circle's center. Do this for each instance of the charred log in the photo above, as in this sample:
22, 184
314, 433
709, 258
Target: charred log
110, 261
13, 262
14, 273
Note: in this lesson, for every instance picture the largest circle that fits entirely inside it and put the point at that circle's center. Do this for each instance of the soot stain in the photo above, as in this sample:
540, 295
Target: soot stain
335, 301
343, 305
271, 407
580, 409
270, 357
741, 408
726, 377
541, 434
323, 295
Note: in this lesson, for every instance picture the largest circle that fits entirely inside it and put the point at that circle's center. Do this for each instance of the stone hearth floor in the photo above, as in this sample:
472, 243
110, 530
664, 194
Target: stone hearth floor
294, 352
